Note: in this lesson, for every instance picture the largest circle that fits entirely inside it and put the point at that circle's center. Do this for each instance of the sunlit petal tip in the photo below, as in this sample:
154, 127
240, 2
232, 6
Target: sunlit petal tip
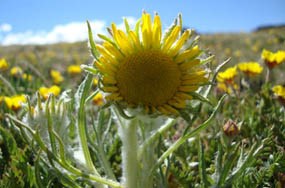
171, 38
188, 55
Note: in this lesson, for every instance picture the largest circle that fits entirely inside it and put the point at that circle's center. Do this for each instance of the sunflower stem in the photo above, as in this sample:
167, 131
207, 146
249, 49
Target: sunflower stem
147, 155
155, 136
128, 134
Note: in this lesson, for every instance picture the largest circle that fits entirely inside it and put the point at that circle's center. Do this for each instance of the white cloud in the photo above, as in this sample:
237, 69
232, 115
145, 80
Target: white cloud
5, 27
71, 32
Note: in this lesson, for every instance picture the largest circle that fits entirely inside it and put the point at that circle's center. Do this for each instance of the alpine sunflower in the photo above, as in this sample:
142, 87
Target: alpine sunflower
144, 68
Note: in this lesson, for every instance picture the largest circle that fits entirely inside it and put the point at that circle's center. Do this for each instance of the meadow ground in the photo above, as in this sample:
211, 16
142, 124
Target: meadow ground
243, 146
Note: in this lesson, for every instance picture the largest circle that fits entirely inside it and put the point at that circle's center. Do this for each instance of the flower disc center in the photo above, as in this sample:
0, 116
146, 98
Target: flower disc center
148, 77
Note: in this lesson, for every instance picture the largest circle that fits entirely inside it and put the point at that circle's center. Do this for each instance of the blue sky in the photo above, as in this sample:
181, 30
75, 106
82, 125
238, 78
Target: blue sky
46, 21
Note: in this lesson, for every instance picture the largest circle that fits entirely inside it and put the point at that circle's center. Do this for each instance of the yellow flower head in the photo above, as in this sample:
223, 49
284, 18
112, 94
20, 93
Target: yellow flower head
272, 59
73, 69
45, 92
15, 102
227, 88
56, 76
250, 68
237, 53
3, 64
279, 91
98, 99
141, 68
16, 71
228, 75
95, 82
27, 77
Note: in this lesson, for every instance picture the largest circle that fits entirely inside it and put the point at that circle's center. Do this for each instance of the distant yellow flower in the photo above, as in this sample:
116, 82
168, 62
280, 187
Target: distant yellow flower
16, 71
228, 75
15, 102
98, 99
95, 82
237, 53
227, 51
227, 88
255, 48
73, 69
27, 77
56, 76
141, 69
45, 92
250, 68
272, 59
279, 91
3, 64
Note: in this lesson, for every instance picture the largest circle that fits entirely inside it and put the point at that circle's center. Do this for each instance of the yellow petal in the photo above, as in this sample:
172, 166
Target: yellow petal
121, 40
156, 31
177, 104
113, 50
178, 45
135, 39
146, 30
170, 109
188, 65
110, 88
163, 110
108, 80
188, 88
188, 55
171, 38
183, 96
195, 81
114, 97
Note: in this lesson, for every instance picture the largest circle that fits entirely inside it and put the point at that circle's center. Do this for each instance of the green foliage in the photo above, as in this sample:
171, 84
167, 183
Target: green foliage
16, 163
40, 143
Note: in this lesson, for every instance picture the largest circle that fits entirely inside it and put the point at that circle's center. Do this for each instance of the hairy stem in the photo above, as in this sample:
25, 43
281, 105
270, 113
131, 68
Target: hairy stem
128, 134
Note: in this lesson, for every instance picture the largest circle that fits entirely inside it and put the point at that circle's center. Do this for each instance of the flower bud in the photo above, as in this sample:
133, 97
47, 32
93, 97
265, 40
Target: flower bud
231, 128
